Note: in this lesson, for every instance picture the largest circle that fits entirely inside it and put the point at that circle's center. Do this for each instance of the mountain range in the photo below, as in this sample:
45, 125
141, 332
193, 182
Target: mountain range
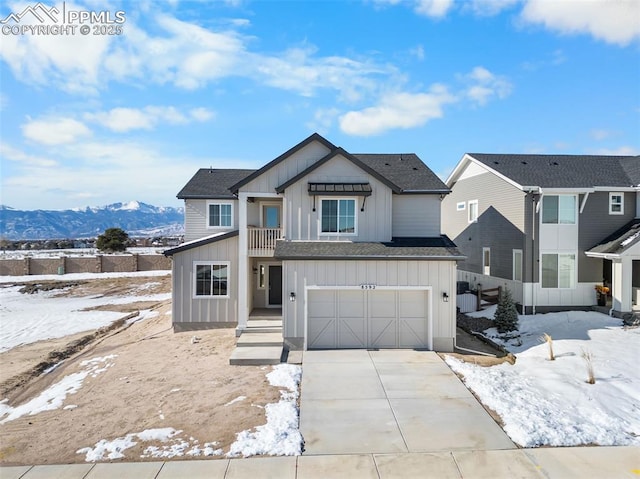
136, 218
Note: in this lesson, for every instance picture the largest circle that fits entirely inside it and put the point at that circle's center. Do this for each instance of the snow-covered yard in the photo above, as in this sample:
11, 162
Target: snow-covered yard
27, 318
543, 402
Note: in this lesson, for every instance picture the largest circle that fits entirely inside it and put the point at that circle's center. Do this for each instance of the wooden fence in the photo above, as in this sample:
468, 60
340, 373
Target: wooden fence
84, 264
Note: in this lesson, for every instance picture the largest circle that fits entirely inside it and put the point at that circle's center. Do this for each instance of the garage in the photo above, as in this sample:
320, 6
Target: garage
356, 318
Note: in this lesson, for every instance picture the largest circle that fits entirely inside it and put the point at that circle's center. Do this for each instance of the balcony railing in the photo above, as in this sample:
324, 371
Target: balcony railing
262, 241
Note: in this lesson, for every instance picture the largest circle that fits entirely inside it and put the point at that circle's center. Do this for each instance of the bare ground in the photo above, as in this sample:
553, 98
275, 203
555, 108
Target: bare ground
159, 379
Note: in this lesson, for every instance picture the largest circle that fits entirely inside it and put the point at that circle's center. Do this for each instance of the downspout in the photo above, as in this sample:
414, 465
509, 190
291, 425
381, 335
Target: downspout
536, 210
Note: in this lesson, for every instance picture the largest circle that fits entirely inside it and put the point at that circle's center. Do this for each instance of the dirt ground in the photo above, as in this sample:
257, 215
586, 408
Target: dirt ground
159, 379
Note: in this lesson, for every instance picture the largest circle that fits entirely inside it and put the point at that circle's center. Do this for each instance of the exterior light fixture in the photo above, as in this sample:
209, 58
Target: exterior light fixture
445, 297
292, 296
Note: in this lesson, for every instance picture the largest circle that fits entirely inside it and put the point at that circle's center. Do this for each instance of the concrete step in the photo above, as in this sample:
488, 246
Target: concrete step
256, 356
259, 339
263, 326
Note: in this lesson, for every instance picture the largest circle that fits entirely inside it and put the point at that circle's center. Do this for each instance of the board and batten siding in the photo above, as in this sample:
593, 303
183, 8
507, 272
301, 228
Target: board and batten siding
287, 169
195, 219
415, 216
191, 313
501, 224
302, 223
439, 275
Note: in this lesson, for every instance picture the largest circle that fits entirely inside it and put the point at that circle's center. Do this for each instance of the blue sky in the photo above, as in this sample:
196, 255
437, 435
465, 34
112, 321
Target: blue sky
96, 119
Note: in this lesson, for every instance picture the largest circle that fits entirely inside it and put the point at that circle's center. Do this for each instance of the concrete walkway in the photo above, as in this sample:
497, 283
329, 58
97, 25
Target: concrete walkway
547, 463
404, 401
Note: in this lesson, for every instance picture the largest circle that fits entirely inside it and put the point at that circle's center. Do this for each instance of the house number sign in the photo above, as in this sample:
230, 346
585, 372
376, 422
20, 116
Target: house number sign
367, 286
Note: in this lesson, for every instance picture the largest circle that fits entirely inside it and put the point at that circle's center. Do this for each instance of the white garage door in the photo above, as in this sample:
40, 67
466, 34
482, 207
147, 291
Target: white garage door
379, 318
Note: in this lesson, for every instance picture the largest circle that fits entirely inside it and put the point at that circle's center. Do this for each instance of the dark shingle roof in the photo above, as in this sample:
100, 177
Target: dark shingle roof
212, 183
619, 241
565, 171
406, 170
400, 248
201, 242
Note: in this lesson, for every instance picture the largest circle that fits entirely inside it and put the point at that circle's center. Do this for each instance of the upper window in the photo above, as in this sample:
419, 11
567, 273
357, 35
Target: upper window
338, 216
473, 211
220, 215
559, 209
211, 279
486, 261
517, 265
558, 270
616, 203
460, 206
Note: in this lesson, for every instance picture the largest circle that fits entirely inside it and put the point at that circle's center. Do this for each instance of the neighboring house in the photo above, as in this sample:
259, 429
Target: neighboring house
347, 246
549, 227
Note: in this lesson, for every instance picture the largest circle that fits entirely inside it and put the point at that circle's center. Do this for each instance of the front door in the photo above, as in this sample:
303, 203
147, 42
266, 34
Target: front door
271, 216
274, 296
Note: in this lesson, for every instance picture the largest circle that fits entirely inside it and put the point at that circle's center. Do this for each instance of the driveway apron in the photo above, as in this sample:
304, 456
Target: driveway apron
390, 401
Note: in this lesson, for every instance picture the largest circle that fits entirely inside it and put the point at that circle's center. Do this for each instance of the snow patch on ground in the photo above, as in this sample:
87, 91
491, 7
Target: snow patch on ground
280, 436
53, 397
549, 403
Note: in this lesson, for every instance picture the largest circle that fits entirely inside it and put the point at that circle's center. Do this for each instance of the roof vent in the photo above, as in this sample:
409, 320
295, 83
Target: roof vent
524, 162
496, 162
415, 169
387, 164
555, 163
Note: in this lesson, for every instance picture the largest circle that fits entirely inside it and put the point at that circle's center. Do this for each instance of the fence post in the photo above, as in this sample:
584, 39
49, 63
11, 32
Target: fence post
499, 293
135, 262
479, 297
99, 263
27, 265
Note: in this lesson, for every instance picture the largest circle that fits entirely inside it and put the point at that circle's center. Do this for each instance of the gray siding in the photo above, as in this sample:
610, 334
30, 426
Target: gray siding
440, 275
302, 223
185, 308
195, 219
595, 224
501, 223
416, 216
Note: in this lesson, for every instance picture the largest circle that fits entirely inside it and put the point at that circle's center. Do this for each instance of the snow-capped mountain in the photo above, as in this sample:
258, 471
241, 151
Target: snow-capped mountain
136, 218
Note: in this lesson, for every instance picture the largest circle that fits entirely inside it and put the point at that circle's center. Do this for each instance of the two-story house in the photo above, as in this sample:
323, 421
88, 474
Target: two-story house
548, 227
347, 246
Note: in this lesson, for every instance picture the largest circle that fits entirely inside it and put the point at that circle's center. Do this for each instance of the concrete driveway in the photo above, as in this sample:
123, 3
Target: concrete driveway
390, 401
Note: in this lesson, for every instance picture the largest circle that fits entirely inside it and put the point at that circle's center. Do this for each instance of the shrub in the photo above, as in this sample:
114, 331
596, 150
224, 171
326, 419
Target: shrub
506, 317
113, 239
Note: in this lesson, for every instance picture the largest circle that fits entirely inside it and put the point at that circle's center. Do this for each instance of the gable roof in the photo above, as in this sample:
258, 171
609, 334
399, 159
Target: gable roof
212, 183
559, 171
315, 137
406, 170
618, 242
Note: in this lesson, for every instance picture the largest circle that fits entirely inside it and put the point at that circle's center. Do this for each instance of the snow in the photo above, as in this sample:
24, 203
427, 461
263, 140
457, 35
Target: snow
53, 397
549, 403
238, 399
79, 276
27, 318
280, 436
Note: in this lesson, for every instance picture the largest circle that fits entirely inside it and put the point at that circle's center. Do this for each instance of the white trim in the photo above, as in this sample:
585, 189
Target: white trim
355, 216
515, 252
486, 268
467, 158
575, 269
475, 220
208, 215
621, 204
197, 263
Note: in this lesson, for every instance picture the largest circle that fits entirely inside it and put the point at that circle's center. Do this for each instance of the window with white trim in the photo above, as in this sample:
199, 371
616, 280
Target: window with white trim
486, 261
616, 203
517, 265
460, 206
473, 211
338, 216
559, 209
211, 279
219, 215
558, 270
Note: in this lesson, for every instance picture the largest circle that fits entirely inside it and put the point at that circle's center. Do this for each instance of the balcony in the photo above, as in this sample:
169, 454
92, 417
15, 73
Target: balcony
262, 241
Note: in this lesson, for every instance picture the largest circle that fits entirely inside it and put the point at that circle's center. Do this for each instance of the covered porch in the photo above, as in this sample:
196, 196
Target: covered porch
620, 254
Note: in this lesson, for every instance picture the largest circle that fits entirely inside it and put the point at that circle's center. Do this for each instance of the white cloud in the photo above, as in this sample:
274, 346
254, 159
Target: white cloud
323, 119
433, 8
488, 8
613, 21
397, 110
55, 130
600, 134
417, 52
127, 119
619, 151
13, 154
484, 85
